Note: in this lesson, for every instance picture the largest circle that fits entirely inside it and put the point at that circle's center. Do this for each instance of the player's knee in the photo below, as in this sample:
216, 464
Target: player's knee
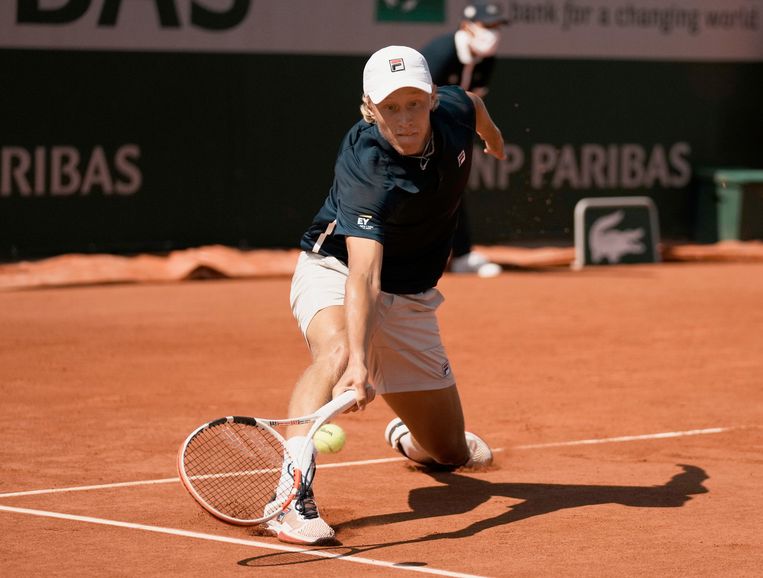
335, 354
451, 457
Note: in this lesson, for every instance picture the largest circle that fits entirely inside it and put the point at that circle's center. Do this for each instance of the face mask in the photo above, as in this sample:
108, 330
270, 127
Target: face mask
484, 43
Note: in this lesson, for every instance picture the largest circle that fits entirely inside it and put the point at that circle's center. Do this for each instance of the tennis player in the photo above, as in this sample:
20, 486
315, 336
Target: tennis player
364, 289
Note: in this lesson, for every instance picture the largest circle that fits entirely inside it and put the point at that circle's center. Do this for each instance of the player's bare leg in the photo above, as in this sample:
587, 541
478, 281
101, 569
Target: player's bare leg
301, 522
435, 421
327, 340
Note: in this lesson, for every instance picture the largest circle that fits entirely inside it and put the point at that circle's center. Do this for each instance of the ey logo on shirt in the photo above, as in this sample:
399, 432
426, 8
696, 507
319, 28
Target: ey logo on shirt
364, 222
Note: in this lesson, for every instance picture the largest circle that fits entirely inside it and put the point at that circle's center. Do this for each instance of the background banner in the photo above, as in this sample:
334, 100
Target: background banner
135, 126
643, 29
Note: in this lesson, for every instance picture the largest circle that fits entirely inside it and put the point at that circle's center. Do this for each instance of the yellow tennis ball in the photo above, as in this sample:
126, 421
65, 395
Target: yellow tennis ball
329, 438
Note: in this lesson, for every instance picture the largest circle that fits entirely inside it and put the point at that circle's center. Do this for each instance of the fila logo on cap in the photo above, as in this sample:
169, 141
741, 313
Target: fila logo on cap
396, 65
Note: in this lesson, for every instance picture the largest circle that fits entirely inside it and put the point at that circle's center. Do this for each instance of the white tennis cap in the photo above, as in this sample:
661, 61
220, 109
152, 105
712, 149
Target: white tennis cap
395, 67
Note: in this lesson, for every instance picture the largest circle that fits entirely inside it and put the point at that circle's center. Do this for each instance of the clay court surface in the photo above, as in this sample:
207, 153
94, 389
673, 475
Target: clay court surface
625, 404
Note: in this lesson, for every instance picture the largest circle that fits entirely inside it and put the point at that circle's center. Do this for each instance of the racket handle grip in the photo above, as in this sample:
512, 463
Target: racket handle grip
340, 403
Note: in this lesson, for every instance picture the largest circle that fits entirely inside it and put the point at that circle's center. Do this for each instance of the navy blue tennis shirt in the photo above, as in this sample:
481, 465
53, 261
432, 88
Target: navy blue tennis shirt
405, 204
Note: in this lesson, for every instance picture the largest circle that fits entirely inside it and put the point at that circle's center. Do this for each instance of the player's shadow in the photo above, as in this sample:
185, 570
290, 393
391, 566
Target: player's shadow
459, 494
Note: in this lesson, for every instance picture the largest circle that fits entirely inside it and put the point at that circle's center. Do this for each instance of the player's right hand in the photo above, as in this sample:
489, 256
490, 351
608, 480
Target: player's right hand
355, 377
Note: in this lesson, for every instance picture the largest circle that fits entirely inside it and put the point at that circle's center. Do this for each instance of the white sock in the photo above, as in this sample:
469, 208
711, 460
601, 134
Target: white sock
414, 451
294, 446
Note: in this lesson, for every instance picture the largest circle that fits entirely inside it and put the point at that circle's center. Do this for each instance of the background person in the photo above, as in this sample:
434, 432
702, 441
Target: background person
466, 58
363, 291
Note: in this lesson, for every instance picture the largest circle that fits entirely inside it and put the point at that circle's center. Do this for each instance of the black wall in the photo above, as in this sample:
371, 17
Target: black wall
179, 150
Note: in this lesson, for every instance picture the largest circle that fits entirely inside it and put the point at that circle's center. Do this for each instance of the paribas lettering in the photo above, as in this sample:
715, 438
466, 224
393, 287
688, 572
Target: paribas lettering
63, 171
588, 166
202, 16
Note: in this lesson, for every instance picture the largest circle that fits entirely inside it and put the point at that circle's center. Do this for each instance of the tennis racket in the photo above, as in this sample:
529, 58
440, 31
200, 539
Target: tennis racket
233, 466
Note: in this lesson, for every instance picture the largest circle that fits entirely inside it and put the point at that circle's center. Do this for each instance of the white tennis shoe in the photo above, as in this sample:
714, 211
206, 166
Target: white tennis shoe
480, 454
475, 263
393, 432
301, 522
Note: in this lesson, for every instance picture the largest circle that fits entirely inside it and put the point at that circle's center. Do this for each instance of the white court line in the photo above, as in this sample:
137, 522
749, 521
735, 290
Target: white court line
317, 553
663, 435
238, 541
172, 480
656, 436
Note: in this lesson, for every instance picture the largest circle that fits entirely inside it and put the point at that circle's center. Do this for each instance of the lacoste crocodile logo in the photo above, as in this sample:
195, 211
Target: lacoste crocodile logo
612, 244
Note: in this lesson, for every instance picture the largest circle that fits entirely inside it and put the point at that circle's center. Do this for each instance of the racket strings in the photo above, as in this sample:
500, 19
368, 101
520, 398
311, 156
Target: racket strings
237, 469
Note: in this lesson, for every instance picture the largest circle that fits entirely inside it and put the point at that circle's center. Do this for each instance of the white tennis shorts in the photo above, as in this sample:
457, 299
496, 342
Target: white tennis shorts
406, 352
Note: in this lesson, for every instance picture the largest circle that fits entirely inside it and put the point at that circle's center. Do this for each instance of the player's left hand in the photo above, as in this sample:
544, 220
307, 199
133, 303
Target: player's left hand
495, 147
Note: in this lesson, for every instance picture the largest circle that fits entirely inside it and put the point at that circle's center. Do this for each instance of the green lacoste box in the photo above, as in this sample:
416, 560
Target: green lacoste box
616, 230
410, 11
